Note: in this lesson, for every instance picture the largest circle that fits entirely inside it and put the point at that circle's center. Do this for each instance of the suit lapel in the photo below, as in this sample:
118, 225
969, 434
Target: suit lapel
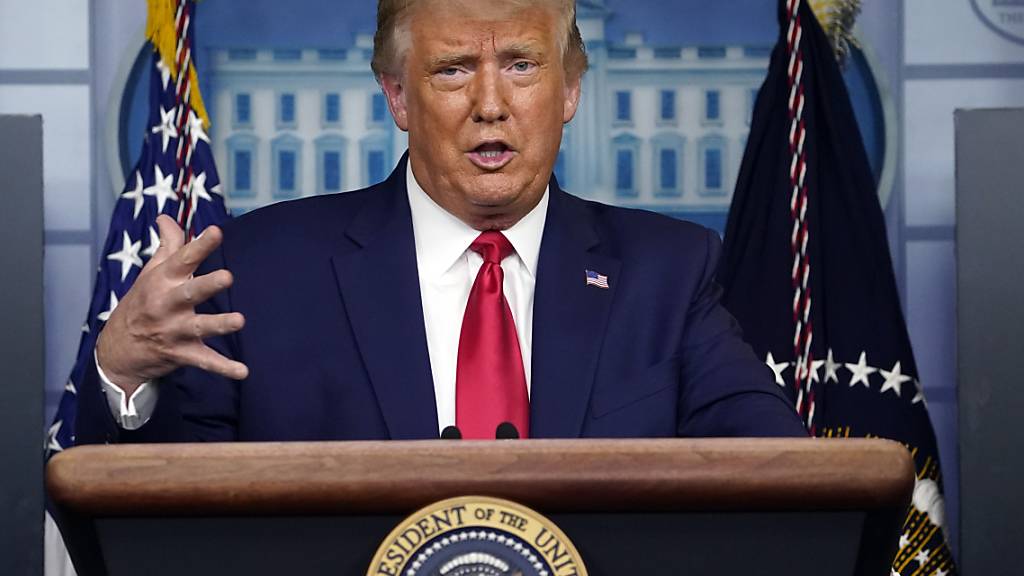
570, 318
379, 285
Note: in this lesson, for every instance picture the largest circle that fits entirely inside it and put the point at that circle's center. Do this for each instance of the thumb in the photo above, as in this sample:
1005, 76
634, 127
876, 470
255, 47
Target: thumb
171, 239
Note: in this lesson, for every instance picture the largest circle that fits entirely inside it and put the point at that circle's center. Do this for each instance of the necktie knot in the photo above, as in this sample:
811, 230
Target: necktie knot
493, 246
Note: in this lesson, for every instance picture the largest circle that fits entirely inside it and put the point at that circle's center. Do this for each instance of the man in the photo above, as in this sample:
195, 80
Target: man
466, 290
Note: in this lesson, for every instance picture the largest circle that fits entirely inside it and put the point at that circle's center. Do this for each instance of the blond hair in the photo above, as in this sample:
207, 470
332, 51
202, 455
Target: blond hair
393, 15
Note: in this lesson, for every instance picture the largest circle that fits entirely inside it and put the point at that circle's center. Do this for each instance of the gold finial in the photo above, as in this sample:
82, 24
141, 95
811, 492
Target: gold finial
837, 17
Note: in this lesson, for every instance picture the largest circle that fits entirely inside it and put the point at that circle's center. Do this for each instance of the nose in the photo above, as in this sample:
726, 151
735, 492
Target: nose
490, 98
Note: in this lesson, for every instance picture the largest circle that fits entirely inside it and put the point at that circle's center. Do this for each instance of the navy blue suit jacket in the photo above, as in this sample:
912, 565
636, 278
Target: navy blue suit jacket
336, 346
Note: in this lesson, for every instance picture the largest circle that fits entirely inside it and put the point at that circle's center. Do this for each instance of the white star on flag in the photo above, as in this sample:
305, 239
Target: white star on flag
815, 366
904, 540
199, 189
136, 195
128, 256
165, 72
70, 387
195, 124
831, 368
51, 437
894, 380
162, 189
919, 396
154, 243
105, 315
777, 368
922, 557
167, 129
861, 371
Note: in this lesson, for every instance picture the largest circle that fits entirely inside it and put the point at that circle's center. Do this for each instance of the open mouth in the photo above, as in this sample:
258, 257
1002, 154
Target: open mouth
492, 155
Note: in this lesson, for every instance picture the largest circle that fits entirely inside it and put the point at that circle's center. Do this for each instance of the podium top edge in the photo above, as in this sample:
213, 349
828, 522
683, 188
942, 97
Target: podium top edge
285, 478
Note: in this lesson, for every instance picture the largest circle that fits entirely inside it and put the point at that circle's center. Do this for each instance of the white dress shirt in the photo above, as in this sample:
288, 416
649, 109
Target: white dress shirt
447, 269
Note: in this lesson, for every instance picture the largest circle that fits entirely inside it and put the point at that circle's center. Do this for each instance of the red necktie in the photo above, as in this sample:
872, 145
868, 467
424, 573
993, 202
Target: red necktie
490, 384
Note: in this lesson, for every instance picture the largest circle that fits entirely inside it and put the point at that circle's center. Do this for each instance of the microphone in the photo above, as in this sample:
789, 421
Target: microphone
506, 431
451, 433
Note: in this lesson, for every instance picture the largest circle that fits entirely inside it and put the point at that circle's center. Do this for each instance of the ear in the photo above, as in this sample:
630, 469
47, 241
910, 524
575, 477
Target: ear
395, 93
572, 97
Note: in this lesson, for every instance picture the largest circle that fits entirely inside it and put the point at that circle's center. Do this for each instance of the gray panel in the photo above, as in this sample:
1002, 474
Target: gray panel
21, 345
990, 257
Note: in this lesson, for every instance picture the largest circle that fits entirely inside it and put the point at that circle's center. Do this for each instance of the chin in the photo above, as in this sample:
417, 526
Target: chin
499, 222
491, 205
494, 190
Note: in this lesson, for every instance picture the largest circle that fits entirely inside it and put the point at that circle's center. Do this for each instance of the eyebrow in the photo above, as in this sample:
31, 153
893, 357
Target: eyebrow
520, 50
447, 60
510, 52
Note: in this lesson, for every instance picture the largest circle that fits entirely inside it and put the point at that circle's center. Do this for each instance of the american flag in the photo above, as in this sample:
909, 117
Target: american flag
175, 175
595, 279
807, 273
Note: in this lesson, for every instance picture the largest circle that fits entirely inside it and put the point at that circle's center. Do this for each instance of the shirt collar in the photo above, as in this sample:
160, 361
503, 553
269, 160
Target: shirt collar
441, 238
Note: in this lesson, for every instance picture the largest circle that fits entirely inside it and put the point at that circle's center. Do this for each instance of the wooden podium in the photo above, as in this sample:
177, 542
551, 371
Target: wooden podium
680, 507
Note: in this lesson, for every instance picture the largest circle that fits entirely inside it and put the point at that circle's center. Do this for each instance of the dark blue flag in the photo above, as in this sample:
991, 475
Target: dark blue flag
806, 270
175, 175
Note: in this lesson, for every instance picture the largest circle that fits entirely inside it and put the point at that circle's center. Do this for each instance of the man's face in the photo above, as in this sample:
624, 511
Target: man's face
483, 95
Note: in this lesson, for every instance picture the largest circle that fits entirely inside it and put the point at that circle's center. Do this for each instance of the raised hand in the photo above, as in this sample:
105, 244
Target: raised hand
155, 329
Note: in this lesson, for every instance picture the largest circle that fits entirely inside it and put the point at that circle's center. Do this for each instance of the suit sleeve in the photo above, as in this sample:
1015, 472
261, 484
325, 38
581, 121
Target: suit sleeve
727, 390
193, 405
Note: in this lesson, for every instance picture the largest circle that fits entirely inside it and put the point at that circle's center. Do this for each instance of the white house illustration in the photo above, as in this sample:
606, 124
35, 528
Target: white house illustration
659, 126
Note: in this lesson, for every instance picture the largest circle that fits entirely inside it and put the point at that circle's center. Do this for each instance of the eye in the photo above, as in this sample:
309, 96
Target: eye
449, 71
522, 66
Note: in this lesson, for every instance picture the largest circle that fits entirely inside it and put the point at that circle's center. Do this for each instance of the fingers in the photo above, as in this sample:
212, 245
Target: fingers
172, 238
155, 329
205, 325
201, 288
185, 260
208, 359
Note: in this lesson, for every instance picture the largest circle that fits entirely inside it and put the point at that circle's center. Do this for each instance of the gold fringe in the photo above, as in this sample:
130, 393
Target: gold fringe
837, 17
162, 33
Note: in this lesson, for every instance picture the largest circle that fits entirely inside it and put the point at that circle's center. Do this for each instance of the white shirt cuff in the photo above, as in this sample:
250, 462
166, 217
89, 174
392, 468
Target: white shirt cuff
130, 413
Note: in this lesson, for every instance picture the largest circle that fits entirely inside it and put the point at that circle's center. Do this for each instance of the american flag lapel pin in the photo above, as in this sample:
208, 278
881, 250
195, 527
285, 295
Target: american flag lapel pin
595, 279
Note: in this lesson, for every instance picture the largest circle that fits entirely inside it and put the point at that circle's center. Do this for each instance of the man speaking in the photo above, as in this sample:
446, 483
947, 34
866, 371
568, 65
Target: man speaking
467, 289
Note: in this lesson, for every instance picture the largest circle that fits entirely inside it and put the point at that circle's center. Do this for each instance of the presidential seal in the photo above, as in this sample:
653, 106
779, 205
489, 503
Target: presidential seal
476, 536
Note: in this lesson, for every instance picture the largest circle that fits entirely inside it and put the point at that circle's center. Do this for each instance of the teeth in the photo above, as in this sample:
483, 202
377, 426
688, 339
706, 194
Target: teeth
490, 154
